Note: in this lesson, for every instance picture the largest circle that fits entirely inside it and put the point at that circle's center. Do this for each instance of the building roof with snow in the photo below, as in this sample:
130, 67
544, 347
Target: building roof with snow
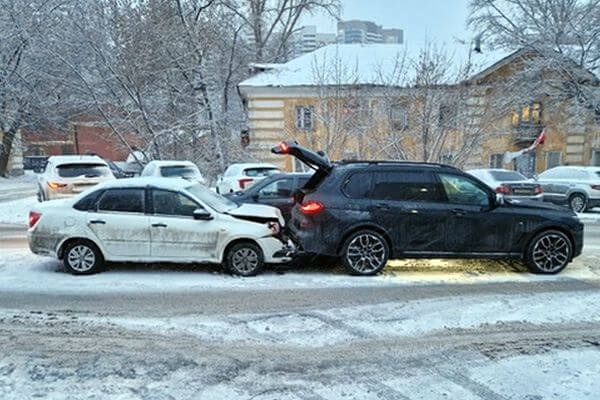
372, 64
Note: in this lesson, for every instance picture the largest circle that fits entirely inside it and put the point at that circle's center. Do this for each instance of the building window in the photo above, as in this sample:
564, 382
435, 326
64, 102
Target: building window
552, 159
305, 118
446, 158
496, 160
398, 117
596, 157
530, 114
447, 115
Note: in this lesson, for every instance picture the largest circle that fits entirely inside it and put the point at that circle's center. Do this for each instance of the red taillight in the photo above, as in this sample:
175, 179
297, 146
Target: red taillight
56, 185
595, 187
312, 207
244, 181
34, 217
538, 189
283, 148
503, 189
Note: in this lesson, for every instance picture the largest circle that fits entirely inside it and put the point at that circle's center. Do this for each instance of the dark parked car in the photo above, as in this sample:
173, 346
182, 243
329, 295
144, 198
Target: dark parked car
366, 212
35, 163
276, 190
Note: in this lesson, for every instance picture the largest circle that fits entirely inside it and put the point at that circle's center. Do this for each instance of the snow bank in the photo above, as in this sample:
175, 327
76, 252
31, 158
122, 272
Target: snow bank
16, 211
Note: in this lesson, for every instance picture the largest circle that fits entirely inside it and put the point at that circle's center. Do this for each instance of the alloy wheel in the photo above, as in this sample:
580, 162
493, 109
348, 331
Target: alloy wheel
551, 252
245, 260
366, 253
577, 203
81, 258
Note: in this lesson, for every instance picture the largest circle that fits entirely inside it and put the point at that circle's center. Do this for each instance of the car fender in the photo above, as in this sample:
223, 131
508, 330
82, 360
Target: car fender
577, 189
249, 232
365, 225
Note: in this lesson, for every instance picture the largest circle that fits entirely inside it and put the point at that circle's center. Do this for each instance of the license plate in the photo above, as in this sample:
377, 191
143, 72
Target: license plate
522, 191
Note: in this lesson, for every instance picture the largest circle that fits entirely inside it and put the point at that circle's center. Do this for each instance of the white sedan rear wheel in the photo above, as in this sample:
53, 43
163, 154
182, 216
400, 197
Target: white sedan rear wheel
82, 257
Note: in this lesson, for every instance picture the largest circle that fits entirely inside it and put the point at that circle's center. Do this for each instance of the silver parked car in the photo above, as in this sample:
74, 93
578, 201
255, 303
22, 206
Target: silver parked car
512, 184
67, 176
576, 186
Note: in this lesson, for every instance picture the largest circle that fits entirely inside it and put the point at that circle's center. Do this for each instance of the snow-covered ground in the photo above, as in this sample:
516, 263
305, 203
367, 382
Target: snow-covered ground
22, 271
16, 211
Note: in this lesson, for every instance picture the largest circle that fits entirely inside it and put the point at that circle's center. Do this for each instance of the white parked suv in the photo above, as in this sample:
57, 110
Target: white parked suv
576, 186
67, 176
241, 176
157, 220
173, 169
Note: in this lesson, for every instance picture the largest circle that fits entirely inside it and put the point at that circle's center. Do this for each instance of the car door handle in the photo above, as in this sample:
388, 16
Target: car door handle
98, 221
458, 211
382, 206
159, 225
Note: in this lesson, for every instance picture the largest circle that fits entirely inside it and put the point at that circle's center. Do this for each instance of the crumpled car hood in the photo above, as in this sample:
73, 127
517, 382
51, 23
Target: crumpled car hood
257, 213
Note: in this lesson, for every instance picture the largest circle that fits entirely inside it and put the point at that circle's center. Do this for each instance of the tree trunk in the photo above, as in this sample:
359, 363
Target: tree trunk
5, 149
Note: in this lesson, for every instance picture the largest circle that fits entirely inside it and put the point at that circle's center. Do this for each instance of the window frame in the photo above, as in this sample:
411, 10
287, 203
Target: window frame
475, 183
552, 153
300, 121
500, 159
439, 195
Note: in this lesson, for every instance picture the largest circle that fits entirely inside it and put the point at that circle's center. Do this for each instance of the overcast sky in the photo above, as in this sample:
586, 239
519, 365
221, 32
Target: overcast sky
436, 20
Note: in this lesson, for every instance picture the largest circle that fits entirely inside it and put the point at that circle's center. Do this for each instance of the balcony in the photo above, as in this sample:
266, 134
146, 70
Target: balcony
526, 132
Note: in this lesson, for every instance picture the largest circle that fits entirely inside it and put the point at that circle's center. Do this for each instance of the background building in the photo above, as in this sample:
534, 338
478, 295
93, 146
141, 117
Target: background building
366, 32
307, 39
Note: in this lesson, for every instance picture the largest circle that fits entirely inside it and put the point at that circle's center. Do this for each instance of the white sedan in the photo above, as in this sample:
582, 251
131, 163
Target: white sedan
241, 176
157, 220
173, 169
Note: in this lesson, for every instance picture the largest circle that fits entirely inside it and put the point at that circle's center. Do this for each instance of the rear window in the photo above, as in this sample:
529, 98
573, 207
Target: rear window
260, 172
507, 176
183, 171
82, 170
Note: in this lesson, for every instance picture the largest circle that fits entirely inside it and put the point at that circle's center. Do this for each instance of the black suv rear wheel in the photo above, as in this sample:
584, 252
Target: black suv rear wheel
365, 252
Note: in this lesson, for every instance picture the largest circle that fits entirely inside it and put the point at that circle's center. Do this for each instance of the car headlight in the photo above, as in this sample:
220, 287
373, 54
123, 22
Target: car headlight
274, 227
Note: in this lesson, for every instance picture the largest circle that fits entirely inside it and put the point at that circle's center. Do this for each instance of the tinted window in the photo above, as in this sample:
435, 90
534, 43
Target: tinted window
405, 186
357, 186
87, 202
179, 170
278, 188
122, 200
461, 190
85, 170
259, 172
172, 203
507, 176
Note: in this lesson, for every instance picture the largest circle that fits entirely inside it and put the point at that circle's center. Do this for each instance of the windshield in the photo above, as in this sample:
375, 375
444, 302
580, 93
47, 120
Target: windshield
86, 170
184, 171
260, 172
507, 176
211, 199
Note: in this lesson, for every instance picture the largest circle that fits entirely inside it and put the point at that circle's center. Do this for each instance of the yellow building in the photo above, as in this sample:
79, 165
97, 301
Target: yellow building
366, 101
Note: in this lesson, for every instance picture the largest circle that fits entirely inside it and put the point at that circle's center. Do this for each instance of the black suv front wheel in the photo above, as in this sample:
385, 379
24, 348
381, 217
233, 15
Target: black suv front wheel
365, 252
548, 252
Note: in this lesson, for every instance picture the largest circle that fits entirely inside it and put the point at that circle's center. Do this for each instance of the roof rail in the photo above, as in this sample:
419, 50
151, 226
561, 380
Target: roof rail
397, 162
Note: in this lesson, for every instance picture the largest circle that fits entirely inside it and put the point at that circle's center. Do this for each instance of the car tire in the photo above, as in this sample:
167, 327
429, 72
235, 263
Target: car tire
549, 252
365, 253
244, 259
578, 202
82, 257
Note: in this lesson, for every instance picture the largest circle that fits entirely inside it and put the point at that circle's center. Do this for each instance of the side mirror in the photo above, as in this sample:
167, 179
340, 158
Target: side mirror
202, 215
499, 199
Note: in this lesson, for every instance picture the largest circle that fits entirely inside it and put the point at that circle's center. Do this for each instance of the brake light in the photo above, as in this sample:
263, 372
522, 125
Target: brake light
503, 189
244, 181
284, 148
312, 207
595, 187
34, 217
538, 189
56, 185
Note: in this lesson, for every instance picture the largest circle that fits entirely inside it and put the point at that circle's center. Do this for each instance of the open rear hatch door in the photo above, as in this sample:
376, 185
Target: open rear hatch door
315, 160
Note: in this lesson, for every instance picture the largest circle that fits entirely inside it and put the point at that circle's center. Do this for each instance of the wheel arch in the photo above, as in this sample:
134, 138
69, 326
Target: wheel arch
237, 241
558, 228
372, 227
60, 253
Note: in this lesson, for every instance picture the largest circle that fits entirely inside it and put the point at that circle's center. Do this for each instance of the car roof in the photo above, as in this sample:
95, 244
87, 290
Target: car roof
252, 165
165, 163
395, 163
74, 159
156, 182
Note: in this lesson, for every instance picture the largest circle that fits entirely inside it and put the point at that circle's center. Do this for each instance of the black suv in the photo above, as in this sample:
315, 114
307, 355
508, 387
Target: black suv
369, 211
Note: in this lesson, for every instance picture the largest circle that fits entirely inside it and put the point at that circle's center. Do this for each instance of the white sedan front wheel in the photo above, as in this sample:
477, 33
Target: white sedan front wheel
245, 259
82, 257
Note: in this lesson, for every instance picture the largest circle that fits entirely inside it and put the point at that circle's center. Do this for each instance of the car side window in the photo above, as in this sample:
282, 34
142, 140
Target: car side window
357, 185
462, 190
122, 200
278, 188
165, 202
406, 186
